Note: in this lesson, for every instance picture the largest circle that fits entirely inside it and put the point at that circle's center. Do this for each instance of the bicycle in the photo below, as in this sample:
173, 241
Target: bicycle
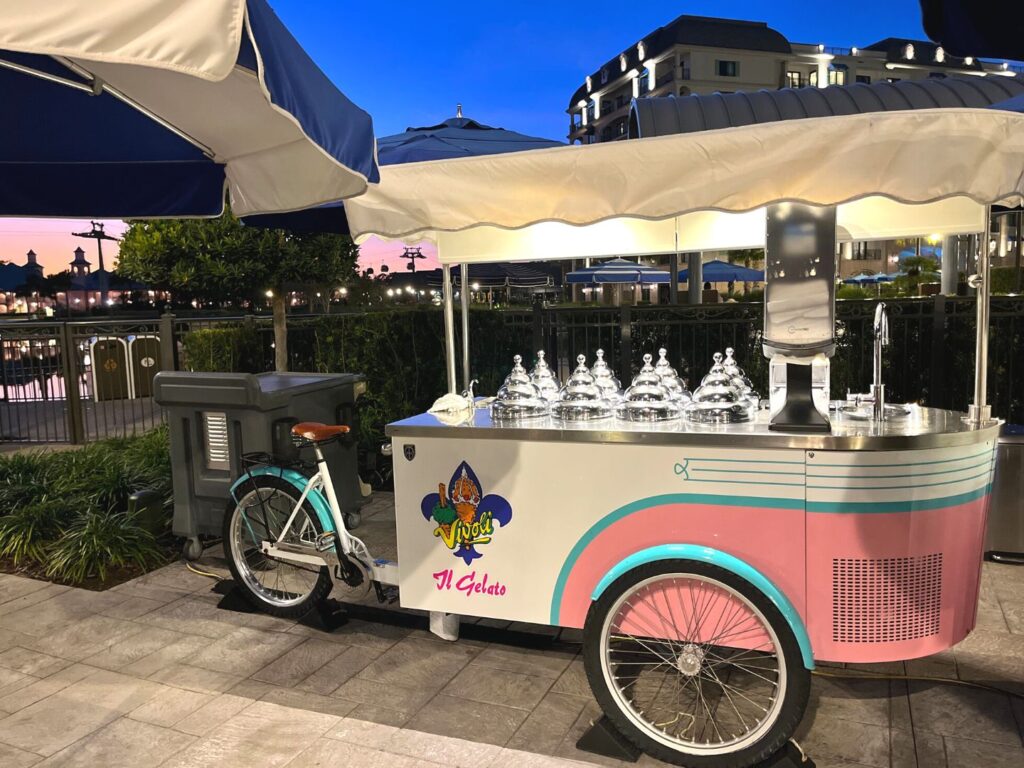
285, 537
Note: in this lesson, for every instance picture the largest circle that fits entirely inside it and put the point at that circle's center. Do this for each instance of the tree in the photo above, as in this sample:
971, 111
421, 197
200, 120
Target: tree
223, 262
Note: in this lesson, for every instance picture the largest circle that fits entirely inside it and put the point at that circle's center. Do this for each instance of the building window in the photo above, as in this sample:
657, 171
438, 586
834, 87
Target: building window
727, 68
576, 120
684, 69
590, 111
866, 79
606, 106
604, 77
836, 74
644, 81
794, 80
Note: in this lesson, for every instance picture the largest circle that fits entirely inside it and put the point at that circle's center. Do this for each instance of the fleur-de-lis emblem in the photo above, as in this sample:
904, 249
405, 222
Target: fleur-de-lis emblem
682, 469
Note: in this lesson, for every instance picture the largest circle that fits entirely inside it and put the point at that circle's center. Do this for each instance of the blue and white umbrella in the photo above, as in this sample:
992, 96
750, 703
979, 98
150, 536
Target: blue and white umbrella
868, 279
618, 271
718, 271
152, 108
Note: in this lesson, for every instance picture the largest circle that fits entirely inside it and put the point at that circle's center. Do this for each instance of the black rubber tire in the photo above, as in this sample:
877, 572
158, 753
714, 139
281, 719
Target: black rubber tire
324, 582
798, 681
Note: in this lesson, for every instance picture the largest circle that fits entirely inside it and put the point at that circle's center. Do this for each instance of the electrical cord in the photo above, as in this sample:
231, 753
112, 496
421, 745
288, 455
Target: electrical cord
919, 678
203, 573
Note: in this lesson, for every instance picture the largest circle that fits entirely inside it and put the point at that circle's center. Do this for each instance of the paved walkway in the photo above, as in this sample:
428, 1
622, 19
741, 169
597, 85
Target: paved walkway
154, 673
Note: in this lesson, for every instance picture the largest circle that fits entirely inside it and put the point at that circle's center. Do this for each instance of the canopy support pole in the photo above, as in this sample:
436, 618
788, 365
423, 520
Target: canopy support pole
673, 269
464, 300
695, 275
979, 412
449, 325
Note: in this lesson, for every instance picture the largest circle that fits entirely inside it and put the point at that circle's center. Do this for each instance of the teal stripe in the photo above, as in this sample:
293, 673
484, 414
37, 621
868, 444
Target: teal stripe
901, 488
749, 461
814, 475
744, 471
913, 464
654, 501
888, 507
743, 482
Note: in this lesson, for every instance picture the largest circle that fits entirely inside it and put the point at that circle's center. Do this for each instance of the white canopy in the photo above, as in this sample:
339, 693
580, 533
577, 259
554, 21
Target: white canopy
892, 174
225, 74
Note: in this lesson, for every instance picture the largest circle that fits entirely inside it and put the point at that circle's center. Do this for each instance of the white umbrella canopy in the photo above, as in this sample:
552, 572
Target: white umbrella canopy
886, 168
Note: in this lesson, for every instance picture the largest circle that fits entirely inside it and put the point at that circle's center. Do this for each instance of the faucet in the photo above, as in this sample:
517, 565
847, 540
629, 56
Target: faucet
881, 331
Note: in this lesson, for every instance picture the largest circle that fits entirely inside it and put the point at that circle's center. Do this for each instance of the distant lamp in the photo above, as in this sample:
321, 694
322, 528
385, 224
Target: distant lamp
908, 51
623, 62
969, 61
940, 55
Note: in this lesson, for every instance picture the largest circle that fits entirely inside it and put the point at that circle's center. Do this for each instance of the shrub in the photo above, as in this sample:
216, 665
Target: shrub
1004, 280
97, 540
233, 348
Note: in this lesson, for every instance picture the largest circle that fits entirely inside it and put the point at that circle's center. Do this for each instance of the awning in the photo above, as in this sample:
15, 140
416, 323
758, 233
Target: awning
148, 108
618, 271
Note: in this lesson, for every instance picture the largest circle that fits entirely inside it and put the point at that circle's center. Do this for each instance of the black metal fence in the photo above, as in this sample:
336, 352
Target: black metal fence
79, 381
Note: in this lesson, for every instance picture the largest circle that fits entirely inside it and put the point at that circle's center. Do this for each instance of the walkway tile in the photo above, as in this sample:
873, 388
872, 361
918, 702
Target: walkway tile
12, 587
366, 634
355, 730
135, 647
326, 753
131, 607
574, 681
86, 637
212, 714
450, 716
419, 663
328, 678
57, 721
122, 743
299, 663
950, 711
827, 738
195, 678
245, 651
31, 662
547, 725
197, 617
528, 661
172, 653
396, 697
312, 702
498, 686
444, 750
861, 701
966, 753
170, 706
40, 689
11, 681
12, 757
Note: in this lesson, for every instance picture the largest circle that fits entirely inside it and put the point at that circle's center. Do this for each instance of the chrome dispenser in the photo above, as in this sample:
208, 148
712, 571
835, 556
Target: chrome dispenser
799, 314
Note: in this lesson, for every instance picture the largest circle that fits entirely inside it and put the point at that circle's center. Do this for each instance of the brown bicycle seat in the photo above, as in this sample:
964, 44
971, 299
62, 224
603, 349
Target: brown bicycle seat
316, 432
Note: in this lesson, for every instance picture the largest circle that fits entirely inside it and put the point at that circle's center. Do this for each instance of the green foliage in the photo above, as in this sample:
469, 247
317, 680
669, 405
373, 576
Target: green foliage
236, 348
68, 510
854, 292
1005, 280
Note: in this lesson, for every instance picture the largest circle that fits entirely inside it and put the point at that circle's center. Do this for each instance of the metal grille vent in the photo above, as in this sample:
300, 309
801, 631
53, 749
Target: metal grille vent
215, 428
886, 600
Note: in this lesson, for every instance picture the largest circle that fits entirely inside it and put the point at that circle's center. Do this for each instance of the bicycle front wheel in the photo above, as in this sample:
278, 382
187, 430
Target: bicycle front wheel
281, 588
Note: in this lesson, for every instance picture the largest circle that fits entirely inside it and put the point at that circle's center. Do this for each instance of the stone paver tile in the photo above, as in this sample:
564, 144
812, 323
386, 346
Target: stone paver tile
244, 651
498, 686
547, 725
170, 706
133, 648
371, 713
966, 753
172, 653
11, 681
40, 689
863, 701
900, 717
837, 740
299, 663
122, 743
397, 697
990, 616
917, 750
12, 757
313, 702
12, 587
987, 642
31, 662
364, 732
57, 721
9, 638
441, 749
956, 711
327, 753
163, 595
937, 665
367, 634
574, 681
528, 661
175, 576
195, 678
16, 609
1013, 611
251, 689
86, 637
328, 678
195, 617
451, 716
213, 713
567, 749
261, 736
514, 758
1006, 672
419, 664
132, 607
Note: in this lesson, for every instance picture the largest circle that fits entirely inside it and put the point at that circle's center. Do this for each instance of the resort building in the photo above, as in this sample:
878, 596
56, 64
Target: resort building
696, 54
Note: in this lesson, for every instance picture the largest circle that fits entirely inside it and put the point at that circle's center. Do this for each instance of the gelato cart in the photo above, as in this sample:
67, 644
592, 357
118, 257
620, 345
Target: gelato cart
711, 544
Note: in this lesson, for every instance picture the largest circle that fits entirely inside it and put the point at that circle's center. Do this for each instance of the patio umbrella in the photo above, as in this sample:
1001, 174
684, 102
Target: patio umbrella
496, 276
456, 137
618, 271
868, 279
718, 271
152, 108
975, 27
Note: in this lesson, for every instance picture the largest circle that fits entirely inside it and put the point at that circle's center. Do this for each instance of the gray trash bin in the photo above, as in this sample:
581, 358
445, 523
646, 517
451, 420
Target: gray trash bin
214, 418
1004, 540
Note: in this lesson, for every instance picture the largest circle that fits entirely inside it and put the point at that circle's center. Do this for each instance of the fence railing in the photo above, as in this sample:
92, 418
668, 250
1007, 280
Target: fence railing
79, 381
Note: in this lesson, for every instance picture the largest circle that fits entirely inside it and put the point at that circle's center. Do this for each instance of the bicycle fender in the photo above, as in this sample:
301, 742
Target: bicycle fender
298, 481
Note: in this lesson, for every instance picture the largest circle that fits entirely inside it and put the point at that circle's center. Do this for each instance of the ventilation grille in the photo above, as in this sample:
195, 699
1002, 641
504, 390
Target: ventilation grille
215, 427
886, 600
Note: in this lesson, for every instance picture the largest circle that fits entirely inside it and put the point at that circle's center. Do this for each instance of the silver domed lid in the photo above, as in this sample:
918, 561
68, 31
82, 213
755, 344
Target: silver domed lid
581, 399
518, 399
733, 369
605, 379
648, 399
717, 374
718, 402
544, 378
670, 379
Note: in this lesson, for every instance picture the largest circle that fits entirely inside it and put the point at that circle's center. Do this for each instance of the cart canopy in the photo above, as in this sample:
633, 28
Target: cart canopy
900, 173
152, 107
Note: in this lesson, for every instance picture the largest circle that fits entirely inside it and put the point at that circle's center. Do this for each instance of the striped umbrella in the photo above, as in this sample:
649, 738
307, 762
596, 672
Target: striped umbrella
618, 271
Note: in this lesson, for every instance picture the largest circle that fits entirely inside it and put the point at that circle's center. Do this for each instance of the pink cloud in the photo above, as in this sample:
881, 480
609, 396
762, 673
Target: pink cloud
375, 252
53, 242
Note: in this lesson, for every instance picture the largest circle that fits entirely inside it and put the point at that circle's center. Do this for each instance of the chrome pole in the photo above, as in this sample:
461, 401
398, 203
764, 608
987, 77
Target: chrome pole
464, 299
449, 325
979, 411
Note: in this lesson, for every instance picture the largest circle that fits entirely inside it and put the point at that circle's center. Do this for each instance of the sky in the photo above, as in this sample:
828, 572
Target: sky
511, 65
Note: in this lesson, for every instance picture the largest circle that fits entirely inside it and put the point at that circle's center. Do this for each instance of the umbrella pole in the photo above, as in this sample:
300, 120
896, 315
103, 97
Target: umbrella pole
464, 300
979, 411
449, 325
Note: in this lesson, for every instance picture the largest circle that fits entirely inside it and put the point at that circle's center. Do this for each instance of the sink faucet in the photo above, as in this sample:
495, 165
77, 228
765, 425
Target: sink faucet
881, 330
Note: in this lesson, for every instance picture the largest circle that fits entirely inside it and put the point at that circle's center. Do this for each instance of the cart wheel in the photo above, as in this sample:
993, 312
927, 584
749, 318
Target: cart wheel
694, 665
353, 520
193, 549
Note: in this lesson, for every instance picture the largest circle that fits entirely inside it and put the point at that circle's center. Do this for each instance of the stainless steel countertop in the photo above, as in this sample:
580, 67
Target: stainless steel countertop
921, 428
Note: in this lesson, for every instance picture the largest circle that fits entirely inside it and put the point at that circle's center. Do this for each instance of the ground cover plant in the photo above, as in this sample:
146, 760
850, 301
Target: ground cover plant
66, 515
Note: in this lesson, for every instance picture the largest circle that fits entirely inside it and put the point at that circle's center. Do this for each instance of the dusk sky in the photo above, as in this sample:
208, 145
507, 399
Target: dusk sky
512, 65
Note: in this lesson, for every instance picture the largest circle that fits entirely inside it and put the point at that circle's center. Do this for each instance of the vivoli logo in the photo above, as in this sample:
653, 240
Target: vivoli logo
464, 518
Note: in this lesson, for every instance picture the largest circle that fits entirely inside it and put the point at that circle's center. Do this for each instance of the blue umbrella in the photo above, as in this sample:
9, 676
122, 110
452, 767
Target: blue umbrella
930, 251
718, 271
109, 126
868, 279
618, 271
456, 137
